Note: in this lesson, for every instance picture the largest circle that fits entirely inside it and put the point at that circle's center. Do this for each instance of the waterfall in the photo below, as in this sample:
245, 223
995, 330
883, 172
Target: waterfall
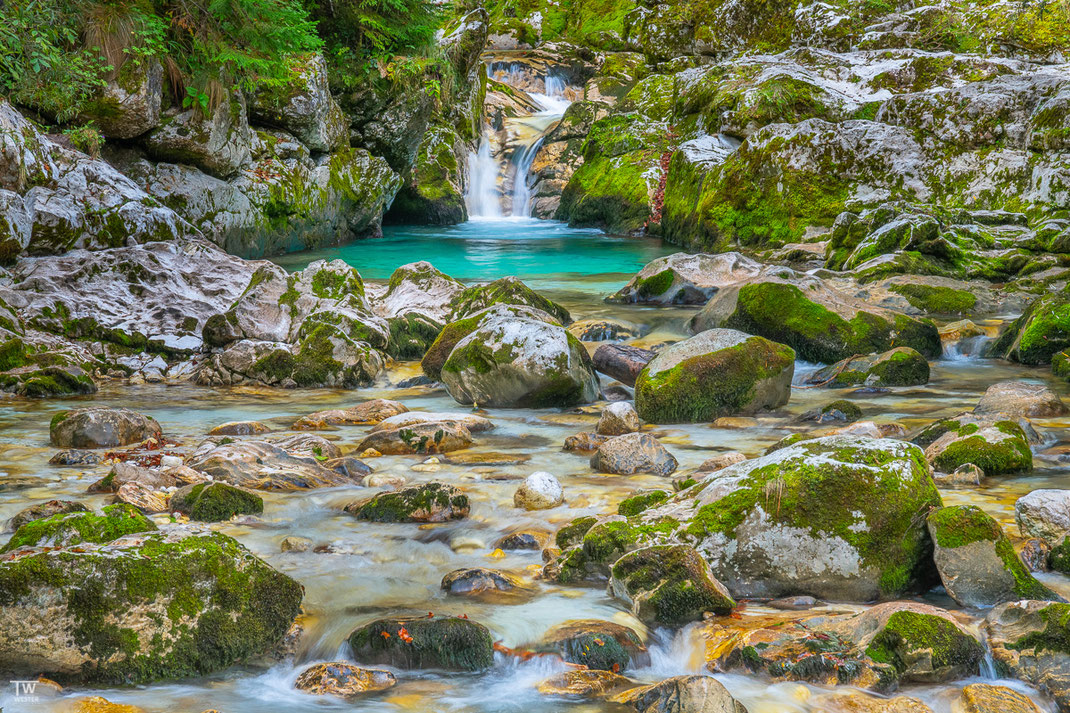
499, 174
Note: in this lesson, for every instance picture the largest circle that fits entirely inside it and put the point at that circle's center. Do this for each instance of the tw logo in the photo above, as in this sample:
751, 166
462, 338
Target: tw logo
25, 691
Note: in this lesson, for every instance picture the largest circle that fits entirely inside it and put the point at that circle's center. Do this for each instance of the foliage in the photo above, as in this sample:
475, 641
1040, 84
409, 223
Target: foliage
86, 139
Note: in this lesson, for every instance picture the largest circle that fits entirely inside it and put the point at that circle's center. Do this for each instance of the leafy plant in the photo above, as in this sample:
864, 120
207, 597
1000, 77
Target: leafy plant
86, 138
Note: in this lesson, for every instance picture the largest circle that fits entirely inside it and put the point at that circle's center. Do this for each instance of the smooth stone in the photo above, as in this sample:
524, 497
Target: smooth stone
239, 428
719, 462
521, 541
343, 679
43, 510
476, 580
474, 423
617, 419
585, 441
683, 694
418, 439
986, 698
1044, 513
1018, 398
799, 603
101, 427
539, 491
74, 457
585, 683
295, 543
365, 414
633, 453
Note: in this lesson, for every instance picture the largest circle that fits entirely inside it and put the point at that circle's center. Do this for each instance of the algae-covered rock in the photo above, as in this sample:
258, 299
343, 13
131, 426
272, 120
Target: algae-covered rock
212, 502
101, 427
901, 366
996, 447
520, 363
668, 585
448, 643
141, 608
506, 290
73, 528
431, 502
719, 372
1038, 335
976, 562
818, 323
683, 278
1028, 640
598, 645
44, 510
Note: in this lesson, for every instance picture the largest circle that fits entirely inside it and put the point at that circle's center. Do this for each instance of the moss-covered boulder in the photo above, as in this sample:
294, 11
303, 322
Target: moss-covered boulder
1029, 642
431, 502
840, 410
668, 585
101, 427
432, 194
996, 447
1060, 365
43, 510
901, 366
48, 382
304, 106
411, 335
212, 502
684, 278
427, 642
976, 562
458, 329
719, 372
74, 528
819, 323
507, 291
141, 608
1038, 335
520, 363
598, 645
418, 438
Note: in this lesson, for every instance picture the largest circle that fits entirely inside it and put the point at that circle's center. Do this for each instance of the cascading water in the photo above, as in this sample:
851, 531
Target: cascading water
500, 172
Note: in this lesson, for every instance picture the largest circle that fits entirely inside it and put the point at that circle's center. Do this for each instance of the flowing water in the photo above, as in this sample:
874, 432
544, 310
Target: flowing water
371, 570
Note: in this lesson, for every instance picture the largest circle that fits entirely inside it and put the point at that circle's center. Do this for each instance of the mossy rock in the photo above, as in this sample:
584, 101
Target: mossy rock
1059, 557
668, 585
411, 335
506, 290
1060, 365
431, 502
1038, 335
598, 645
976, 560
46, 509
447, 643
213, 502
719, 372
638, 503
141, 609
925, 647
74, 528
901, 366
997, 448
785, 314
572, 533
936, 299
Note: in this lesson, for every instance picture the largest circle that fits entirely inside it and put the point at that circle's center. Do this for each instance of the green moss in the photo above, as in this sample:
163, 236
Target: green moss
411, 335
449, 643
213, 502
447, 339
1060, 365
66, 529
509, 291
13, 354
670, 584
1039, 334
572, 533
655, 285
1054, 637
414, 504
909, 633
1009, 455
705, 387
936, 300
638, 503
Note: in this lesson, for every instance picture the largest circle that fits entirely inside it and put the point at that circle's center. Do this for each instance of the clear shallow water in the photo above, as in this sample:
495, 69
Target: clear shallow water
378, 569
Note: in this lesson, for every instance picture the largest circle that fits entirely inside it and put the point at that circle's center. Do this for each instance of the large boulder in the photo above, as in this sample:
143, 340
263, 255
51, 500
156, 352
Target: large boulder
1028, 642
621, 361
633, 453
75, 528
418, 438
304, 107
217, 140
1039, 334
976, 561
719, 372
101, 427
447, 643
683, 278
996, 447
506, 290
1044, 513
419, 287
130, 103
595, 644
431, 502
212, 502
1020, 398
668, 585
683, 694
819, 323
141, 608
259, 465
343, 680
520, 363
901, 366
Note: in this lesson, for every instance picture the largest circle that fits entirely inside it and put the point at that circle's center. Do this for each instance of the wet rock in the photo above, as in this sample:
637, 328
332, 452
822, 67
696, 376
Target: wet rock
684, 278
239, 428
719, 372
294, 543
431, 502
521, 541
520, 362
66, 529
472, 422
75, 457
682, 694
1034, 555
976, 562
602, 330
258, 465
507, 291
343, 680
986, 698
419, 287
863, 703
418, 439
997, 448
585, 441
1018, 398
837, 411
617, 419
598, 645
633, 453
668, 586
101, 427
448, 643
800, 603
367, 413
622, 362
642, 500
719, 462
1044, 513
211, 579
585, 683
539, 491
1038, 335
475, 581
99, 704
213, 502
349, 467
123, 473
142, 496
901, 366
218, 143
303, 106
1027, 640
44, 510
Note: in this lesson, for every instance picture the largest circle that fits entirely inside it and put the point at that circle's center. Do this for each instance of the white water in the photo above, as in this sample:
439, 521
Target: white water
490, 169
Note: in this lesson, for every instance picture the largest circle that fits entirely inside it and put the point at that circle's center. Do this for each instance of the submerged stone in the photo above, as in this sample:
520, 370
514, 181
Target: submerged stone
431, 502
448, 643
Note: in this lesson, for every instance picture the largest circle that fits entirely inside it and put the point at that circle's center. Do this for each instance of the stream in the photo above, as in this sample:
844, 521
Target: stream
370, 570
